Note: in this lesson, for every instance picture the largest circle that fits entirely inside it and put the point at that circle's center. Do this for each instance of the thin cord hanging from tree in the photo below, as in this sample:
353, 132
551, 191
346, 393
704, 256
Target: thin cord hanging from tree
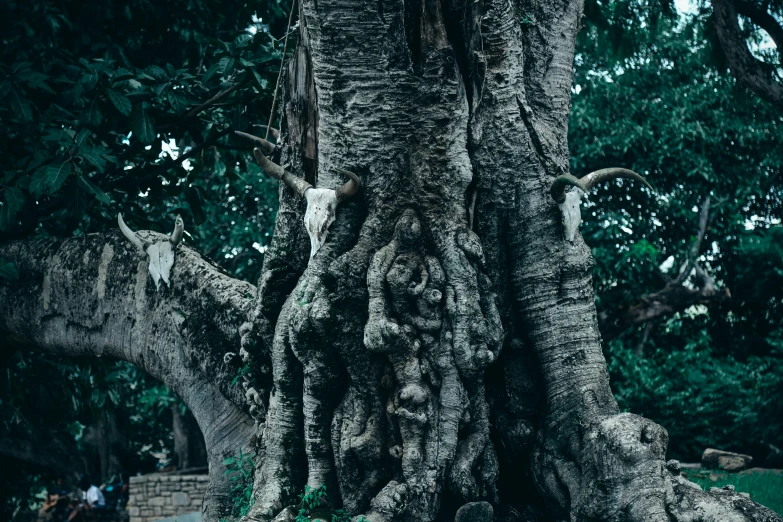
280, 74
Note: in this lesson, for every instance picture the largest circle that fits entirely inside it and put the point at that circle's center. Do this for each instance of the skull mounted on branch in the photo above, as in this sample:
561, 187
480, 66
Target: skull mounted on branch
321, 202
569, 201
161, 254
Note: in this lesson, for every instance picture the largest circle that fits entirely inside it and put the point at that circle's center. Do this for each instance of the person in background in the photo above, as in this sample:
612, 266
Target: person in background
93, 502
55, 508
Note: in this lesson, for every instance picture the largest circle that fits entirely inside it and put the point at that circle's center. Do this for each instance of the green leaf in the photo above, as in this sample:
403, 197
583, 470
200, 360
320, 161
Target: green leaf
195, 200
209, 74
226, 65
261, 82
77, 205
38, 183
156, 72
134, 84
5, 87
93, 156
20, 105
82, 136
86, 184
56, 176
177, 102
141, 124
122, 74
120, 102
8, 270
92, 115
14, 198
115, 397
242, 40
6, 216
89, 80
219, 168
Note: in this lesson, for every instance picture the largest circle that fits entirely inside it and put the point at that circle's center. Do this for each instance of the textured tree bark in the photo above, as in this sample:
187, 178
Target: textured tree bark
442, 347
92, 296
749, 70
479, 354
189, 447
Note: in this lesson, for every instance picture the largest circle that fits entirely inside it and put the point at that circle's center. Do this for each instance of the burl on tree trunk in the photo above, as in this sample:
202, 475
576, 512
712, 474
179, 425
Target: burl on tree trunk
440, 346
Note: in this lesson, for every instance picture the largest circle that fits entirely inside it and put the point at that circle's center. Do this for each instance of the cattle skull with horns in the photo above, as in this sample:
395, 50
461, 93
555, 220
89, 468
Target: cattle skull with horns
321, 202
161, 254
569, 201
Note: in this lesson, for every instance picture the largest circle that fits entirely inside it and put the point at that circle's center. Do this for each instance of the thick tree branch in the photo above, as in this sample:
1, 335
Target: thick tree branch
751, 72
92, 296
672, 298
765, 21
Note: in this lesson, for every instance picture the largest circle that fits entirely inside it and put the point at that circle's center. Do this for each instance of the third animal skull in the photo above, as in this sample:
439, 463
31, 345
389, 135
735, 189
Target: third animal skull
161, 254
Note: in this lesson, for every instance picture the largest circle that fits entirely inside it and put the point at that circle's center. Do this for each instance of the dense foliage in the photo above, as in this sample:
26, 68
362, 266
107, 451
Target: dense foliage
128, 107
667, 108
70, 411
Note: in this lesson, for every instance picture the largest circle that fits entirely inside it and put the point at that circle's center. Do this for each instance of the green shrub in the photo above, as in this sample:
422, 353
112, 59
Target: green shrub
702, 399
239, 470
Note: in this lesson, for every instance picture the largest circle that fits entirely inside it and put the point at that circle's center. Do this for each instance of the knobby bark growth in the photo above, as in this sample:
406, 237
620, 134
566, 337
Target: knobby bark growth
442, 345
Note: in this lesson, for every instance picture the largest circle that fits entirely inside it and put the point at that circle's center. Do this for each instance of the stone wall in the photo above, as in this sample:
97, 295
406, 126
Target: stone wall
153, 497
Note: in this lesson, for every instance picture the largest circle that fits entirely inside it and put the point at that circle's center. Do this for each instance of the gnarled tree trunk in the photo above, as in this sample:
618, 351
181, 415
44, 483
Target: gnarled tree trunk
442, 346
92, 296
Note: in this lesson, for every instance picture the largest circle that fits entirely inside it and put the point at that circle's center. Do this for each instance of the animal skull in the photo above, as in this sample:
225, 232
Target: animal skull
319, 216
321, 202
571, 213
569, 202
161, 254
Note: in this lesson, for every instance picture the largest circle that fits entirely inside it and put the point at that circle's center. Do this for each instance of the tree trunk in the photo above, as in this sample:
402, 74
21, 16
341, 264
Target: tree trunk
105, 447
189, 448
92, 296
442, 346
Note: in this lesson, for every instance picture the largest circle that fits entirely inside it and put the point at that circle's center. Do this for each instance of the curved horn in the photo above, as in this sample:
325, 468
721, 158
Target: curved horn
558, 190
351, 186
179, 229
599, 176
274, 132
131, 235
299, 185
266, 147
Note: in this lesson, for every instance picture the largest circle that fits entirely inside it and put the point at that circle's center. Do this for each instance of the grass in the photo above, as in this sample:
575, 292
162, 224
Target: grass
763, 485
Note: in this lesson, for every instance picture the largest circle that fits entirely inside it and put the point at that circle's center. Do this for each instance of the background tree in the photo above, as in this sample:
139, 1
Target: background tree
182, 319
690, 307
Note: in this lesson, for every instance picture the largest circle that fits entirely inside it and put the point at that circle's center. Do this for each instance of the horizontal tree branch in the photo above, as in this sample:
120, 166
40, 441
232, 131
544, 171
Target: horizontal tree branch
92, 296
672, 298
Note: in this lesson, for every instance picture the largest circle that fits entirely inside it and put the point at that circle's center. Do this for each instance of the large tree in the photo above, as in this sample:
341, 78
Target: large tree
442, 345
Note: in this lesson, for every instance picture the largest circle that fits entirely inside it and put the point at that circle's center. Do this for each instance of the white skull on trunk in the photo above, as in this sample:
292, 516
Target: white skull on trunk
161, 254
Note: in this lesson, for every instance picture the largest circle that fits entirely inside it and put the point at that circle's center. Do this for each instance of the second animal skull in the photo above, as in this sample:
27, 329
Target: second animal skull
321, 202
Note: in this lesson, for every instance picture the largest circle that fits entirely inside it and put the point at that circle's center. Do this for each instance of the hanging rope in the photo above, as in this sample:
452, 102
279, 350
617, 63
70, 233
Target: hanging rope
280, 74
